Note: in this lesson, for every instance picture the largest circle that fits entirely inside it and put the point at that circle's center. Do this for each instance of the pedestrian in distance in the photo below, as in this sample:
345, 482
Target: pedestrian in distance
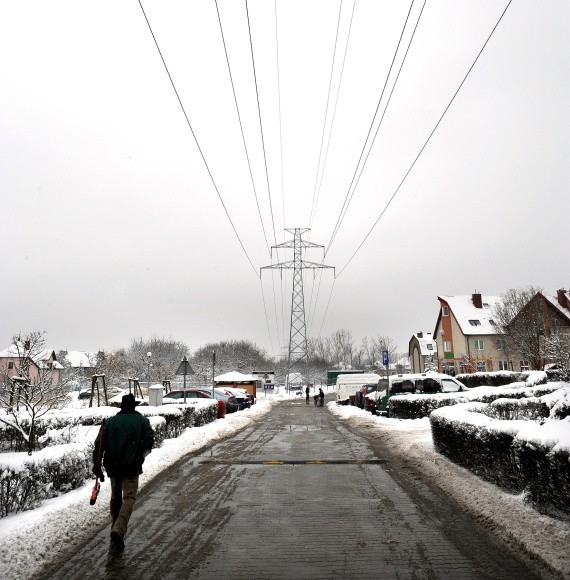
321, 397
307, 392
122, 444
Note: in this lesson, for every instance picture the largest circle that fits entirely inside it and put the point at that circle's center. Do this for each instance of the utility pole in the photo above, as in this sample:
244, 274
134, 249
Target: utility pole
297, 333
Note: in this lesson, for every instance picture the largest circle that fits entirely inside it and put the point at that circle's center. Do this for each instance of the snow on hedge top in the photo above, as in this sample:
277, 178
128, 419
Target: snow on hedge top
464, 311
552, 434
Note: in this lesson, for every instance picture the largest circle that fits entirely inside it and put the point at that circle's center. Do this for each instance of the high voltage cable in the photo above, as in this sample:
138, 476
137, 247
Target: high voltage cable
260, 122
326, 113
363, 165
333, 115
280, 153
247, 157
279, 108
327, 308
241, 129
335, 230
196, 139
266, 317
427, 140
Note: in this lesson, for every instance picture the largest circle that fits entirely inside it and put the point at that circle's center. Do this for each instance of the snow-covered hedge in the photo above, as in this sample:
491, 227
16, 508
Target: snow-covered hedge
499, 378
49, 428
27, 480
48, 473
519, 455
416, 406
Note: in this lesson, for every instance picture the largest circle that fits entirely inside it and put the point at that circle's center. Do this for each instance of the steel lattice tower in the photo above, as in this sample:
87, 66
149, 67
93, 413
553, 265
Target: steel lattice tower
298, 333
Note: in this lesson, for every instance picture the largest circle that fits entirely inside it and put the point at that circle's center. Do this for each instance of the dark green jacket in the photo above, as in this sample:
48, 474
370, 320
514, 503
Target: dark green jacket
126, 437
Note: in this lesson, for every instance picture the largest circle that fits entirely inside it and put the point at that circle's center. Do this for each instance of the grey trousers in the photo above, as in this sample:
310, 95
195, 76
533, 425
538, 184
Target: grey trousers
123, 496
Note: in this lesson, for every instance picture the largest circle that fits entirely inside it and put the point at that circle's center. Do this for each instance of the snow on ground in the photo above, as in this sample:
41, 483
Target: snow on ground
506, 516
32, 539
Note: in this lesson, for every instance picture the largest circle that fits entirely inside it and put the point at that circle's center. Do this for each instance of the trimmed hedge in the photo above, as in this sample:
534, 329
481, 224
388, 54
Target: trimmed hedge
491, 379
40, 477
43, 478
519, 455
417, 406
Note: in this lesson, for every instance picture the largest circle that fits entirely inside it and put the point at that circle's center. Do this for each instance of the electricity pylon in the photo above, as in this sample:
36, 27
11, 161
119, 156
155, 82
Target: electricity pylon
298, 332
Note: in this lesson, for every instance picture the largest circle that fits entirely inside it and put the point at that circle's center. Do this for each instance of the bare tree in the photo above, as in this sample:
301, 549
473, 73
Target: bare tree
557, 349
341, 347
32, 388
380, 343
519, 320
156, 358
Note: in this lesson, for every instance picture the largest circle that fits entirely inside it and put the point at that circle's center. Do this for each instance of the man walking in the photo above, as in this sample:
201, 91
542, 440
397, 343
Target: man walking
123, 443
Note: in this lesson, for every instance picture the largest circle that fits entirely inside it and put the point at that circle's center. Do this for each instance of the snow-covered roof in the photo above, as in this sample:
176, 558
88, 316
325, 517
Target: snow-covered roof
473, 320
554, 301
428, 346
234, 377
80, 359
39, 358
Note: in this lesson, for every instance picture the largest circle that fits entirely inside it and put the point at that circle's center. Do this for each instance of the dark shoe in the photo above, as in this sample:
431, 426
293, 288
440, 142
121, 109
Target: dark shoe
117, 540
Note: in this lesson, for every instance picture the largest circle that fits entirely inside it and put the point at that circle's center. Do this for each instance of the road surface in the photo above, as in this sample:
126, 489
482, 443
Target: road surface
297, 495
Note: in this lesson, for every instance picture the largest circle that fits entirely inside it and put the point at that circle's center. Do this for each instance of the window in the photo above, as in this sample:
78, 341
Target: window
444, 311
429, 346
525, 366
449, 386
447, 346
479, 344
11, 364
503, 365
481, 366
475, 322
501, 343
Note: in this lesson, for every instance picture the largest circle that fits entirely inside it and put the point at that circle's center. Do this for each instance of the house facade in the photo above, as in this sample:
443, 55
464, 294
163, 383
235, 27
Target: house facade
41, 365
465, 336
422, 351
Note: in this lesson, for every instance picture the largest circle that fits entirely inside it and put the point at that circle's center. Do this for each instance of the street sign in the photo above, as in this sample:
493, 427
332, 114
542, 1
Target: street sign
385, 358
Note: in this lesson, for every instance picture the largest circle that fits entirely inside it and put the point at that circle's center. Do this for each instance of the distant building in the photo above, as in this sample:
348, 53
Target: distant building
422, 350
41, 364
465, 336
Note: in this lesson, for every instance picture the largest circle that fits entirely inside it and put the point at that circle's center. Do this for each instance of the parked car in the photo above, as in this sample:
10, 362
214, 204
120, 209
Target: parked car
222, 395
425, 383
245, 400
193, 394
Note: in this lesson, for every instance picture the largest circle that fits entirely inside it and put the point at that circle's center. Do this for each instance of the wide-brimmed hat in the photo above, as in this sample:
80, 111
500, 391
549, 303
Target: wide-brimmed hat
128, 401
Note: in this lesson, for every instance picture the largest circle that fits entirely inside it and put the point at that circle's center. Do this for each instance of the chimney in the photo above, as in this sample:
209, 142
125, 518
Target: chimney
477, 300
563, 299
420, 334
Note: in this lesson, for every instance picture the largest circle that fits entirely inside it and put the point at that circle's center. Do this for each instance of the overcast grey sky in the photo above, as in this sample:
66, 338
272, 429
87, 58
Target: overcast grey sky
112, 228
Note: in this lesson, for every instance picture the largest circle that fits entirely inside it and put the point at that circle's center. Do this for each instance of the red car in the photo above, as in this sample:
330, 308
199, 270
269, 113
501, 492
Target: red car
178, 396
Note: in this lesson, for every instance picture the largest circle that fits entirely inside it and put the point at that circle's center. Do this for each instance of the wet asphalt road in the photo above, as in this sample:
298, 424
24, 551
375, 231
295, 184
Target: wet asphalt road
296, 495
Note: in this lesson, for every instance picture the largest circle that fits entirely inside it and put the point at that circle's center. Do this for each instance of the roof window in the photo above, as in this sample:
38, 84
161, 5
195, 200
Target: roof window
475, 322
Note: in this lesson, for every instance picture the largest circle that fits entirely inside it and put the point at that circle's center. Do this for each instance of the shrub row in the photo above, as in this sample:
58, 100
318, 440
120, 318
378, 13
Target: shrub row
491, 379
518, 455
11, 439
39, 478
416, 406
49, 473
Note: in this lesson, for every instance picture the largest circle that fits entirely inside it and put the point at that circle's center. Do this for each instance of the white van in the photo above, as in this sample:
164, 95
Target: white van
425, 383
347, 385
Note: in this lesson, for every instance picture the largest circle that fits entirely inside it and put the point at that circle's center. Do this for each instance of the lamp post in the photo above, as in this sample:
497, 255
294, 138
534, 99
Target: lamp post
149, 364
184, 369
213, 373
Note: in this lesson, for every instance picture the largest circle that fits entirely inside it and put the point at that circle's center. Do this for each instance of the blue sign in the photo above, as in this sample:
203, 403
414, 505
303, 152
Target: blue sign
385, 358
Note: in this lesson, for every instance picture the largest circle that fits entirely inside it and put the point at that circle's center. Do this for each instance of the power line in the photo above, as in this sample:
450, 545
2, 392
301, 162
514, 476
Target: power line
260, 122
363, 165
333, 114
337, 225
427, 140
241, 129
326, 113
195, 138
279, 106
266, 317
